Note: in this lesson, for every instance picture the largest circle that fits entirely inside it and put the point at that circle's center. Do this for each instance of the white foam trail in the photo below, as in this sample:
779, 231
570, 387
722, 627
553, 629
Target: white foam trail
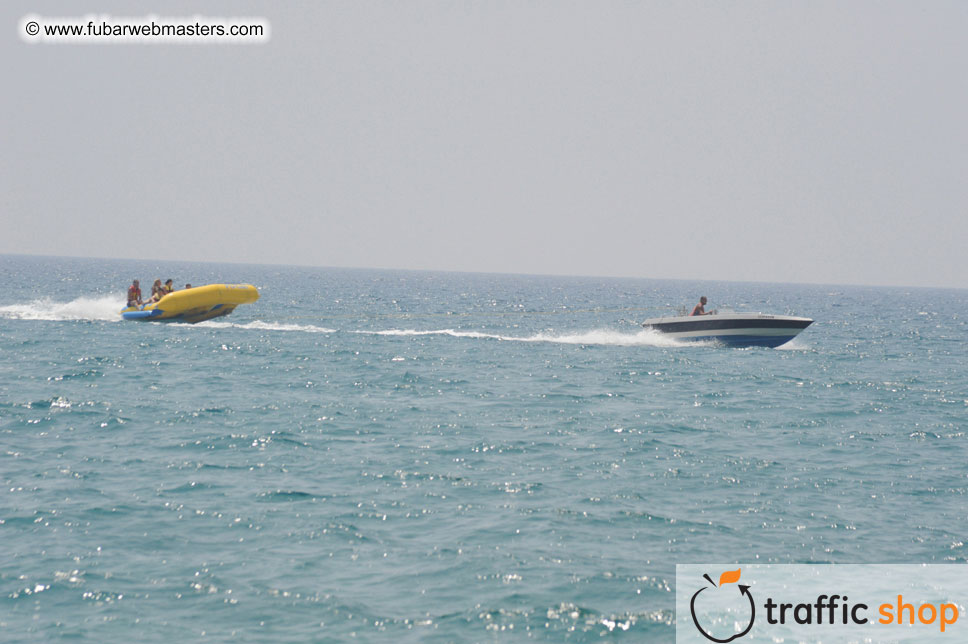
83, 308
796, 344
609, 337
266, 326
450, 332
605, 337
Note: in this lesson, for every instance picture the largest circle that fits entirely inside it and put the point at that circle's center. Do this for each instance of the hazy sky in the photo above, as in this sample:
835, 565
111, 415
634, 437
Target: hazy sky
766, 141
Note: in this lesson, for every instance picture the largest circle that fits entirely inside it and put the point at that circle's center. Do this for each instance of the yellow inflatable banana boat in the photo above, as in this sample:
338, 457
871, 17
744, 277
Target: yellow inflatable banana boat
194, 304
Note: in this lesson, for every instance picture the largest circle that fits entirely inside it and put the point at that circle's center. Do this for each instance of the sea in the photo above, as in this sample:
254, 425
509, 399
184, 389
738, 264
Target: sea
382, 455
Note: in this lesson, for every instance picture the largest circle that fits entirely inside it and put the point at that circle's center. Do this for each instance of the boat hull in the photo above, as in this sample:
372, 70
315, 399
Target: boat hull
195, 304
734, 330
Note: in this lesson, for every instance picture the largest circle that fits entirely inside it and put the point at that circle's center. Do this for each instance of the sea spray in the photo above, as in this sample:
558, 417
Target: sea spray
83, 308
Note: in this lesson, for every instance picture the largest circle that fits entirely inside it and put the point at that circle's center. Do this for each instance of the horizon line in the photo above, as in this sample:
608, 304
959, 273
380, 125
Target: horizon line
506, 273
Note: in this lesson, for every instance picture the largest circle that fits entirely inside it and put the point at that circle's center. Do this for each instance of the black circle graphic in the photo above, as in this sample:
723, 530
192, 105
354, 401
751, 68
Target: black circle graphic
744, 590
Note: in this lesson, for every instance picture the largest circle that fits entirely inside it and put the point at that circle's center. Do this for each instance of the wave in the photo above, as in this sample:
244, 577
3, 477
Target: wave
265, 326
83, 308
605, 337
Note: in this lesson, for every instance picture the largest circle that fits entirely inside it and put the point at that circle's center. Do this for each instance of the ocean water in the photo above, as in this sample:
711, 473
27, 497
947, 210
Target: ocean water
414, 456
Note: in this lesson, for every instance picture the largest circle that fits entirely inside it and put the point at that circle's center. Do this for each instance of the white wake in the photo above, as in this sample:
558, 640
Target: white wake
605, 337
108, 309
265, 326
83, 308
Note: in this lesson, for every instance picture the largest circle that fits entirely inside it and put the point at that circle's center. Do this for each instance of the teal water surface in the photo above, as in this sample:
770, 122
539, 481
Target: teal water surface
420, 456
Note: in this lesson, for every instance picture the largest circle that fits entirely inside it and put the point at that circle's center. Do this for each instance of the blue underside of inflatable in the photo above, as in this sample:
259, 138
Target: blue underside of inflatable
195, 315
142, 315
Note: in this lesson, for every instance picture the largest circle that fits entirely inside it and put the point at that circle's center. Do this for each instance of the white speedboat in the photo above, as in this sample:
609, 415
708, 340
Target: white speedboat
732, 329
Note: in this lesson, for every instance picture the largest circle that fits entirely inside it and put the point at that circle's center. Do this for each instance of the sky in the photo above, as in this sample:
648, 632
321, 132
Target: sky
811, 141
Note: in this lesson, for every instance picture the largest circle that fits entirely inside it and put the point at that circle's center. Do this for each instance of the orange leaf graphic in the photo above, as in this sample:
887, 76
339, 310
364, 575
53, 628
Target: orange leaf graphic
729, 577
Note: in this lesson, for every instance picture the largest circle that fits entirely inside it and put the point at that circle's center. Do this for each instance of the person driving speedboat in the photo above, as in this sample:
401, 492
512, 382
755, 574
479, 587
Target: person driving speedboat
700, 309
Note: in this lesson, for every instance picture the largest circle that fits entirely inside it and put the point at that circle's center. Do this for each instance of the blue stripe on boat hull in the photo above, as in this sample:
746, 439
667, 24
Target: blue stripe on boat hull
771, 341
